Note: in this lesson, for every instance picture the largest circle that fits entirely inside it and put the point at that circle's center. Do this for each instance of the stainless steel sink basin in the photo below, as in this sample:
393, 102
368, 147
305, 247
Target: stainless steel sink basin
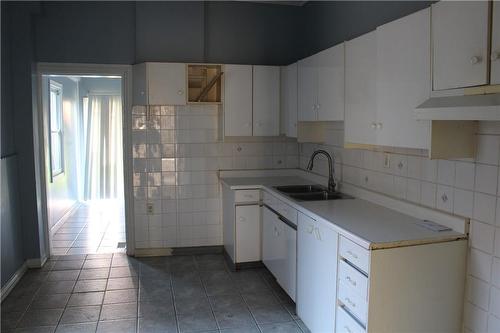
289, 189
319, 196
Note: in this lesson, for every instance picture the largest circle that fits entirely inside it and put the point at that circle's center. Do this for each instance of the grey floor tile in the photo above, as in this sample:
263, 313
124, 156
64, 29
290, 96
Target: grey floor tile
82, 314
77, 328
83, 286
59, 236
290, 327
123, 260
156, 310
117, 326
120, 296
16, 304
268, 314
188, 289
166, 324
226, 301
122, 283
67, 264
71, 257
84, 299
57, 287
67, 275
197, 321
54, 301
10, 319
97, 263
125, 271
34, 318
250, 329
260, 299
40, 329
152, 295
303, 326
221, 288
156, 272
93, 274
187, 305
100, 256
119, 311
292, 309
234, 317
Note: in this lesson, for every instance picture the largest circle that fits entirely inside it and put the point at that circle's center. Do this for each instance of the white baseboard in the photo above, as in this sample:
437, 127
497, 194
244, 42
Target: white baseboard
9, 286
153, 252
35, 262
63, 219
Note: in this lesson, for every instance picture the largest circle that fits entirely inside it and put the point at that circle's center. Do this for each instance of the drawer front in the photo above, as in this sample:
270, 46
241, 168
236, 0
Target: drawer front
288, 212
354, 279
247, 196
353, 302
270, 200
346, 324
355, 254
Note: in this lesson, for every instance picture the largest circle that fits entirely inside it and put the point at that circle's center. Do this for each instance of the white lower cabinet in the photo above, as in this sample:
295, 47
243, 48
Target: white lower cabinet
247, 233
316, 274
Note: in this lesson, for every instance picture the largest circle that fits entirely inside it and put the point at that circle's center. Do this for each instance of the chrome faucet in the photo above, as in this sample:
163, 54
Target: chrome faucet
331, 168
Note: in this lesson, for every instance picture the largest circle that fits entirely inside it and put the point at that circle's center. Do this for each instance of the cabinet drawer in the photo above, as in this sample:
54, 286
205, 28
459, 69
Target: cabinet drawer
346, 324
288, 212
355, 254
352, 301
247, 195
270, 200
353, 278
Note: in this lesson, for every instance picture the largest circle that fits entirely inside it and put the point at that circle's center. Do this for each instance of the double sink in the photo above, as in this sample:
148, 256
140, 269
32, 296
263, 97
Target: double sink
311, 193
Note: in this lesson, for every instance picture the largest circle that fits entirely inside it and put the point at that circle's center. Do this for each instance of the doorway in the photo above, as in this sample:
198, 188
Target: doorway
84, 163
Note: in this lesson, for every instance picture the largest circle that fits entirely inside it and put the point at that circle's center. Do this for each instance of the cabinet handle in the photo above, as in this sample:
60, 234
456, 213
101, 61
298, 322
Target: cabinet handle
311, 229
348, 300
242, 219
444, 197
475, 60
495, 56
347, 329
379, 125
351, 281
373, 125
318, 234
180, 92
352, 254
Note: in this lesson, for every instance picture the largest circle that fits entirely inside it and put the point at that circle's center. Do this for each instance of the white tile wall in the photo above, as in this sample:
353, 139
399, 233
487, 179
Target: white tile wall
471, 189
177, 154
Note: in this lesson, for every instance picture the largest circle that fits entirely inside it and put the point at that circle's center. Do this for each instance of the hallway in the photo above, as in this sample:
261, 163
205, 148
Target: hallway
94, 227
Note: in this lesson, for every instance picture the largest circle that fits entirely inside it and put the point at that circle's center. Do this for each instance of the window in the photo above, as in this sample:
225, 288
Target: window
56, 130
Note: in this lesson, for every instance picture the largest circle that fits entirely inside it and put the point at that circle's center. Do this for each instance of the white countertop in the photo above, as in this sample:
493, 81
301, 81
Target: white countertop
370, 225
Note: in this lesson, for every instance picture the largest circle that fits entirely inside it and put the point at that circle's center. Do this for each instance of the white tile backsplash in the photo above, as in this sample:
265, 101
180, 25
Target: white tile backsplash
486, 179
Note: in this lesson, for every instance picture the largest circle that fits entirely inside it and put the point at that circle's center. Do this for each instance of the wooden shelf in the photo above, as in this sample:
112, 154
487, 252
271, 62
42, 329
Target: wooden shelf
204, 84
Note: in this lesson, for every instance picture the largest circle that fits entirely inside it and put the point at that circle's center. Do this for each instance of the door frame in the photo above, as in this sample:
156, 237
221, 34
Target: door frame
125, 71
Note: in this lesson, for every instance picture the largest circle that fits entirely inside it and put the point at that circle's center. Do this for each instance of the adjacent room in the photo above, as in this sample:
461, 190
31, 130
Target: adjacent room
250, 166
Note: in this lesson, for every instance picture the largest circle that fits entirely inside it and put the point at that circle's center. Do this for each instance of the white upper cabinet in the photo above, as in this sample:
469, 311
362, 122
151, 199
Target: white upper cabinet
321, 86
403, 80
330, 71
460, 43
237, 100
159, 84
289, 100
495, 44
266, 100
360, 89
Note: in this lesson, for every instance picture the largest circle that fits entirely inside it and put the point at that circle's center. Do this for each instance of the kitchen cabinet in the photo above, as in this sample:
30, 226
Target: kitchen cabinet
403, 80
321, 86
237, 100
316, 273
460, 44
159, 84
241, 218
495, 44
289, 100
266, 100
360, 90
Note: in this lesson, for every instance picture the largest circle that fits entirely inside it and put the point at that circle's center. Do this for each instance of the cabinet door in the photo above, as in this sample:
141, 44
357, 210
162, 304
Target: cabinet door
237, 100
316, 274
248, 231
403, 80
166, 83
139, 84
460, 44
289, 100
266, 100
307, 90
290, 268
330, 69
269, 235
361, 89
495, 44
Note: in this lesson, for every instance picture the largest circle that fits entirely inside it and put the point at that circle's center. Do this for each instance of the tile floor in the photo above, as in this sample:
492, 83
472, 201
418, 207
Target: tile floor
95, 227
116, 293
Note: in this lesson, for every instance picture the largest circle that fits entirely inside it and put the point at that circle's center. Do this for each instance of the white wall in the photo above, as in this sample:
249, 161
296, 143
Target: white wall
62, 192
472, 189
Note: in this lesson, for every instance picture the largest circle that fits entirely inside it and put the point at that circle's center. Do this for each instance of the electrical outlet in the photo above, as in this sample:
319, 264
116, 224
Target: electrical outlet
387, 161
150, 208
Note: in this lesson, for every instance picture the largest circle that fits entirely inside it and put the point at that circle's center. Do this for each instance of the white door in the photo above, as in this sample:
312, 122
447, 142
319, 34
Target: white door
307, 90
330, 69
460, 43
361, 89
266, 100
248, 232
166, 83
403, 80
289, 100
316, 274
237, 100
495, 44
